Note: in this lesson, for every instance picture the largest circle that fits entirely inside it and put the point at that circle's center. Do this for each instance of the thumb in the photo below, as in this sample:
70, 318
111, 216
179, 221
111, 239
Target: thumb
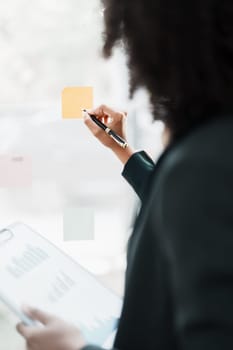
38, 315
24, 330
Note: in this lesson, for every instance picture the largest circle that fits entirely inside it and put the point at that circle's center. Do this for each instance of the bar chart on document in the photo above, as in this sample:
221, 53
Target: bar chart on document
46, 278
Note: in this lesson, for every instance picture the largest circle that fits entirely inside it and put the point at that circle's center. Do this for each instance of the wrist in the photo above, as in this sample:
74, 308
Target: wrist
123, 153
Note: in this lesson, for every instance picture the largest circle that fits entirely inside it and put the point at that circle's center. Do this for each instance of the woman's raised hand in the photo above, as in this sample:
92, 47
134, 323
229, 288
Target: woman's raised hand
114, 120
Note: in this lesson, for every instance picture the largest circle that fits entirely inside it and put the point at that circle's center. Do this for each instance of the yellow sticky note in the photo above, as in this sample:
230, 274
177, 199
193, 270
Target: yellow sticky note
74, 99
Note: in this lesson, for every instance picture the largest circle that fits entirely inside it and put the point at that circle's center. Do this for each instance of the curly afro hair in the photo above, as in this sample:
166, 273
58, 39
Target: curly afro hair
181, 51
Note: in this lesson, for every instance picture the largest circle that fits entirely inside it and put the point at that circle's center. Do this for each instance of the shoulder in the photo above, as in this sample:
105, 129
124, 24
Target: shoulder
209, 144
196, 173
194, 185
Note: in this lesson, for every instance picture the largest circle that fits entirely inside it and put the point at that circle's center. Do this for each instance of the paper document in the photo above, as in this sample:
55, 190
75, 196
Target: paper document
35, 272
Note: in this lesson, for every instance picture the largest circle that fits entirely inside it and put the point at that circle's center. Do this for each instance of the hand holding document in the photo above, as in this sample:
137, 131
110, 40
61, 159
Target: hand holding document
34, 272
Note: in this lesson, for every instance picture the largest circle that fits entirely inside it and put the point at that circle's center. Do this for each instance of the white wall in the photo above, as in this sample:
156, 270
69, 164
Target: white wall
45, 46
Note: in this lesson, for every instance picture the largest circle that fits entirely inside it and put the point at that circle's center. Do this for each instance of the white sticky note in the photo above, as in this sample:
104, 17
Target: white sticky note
78, 223
15, 171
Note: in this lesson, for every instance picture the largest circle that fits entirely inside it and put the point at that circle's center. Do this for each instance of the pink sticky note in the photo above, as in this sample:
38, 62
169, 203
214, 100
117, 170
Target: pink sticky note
15, 171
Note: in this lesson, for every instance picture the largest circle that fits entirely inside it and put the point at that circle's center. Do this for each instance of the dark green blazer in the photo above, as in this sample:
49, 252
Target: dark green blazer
179, 279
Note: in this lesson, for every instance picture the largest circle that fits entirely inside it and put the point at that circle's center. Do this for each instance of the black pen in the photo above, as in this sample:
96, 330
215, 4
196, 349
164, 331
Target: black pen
121, 142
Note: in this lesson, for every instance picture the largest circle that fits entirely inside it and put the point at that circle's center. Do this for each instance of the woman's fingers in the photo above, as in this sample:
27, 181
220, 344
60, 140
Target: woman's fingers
102, 110
24, 330
95, 129
113, 119
38, 315
106, 112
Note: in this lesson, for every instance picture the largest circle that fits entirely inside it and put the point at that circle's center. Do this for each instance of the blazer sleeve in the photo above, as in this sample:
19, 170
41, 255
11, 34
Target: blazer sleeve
137, 172
197, 228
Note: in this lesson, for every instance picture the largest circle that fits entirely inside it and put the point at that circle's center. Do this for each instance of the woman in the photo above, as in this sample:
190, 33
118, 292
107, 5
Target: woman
179, 280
